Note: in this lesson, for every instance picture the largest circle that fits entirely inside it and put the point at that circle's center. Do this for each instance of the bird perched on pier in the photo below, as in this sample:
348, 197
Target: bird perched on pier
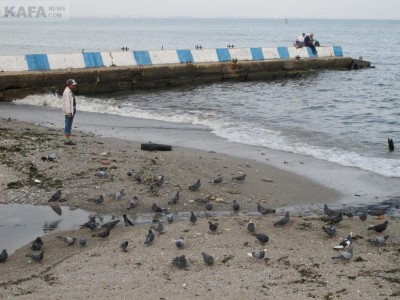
82, 241
69, 241
251, 226
36, 257
345, 243
111, 224
175, 199
265, 211
380, 227
235, 206
124, 246
3, 256
133, 203
208, 259
216, 180
240, 178
195, 186
55, 197
347, 255
258, 254
262, 238
379, 240
149, 238
193, 218
209, 206
283, 221
127, 222
329, 212
330, 231
180, 243
213, 226
37, 244
180, 262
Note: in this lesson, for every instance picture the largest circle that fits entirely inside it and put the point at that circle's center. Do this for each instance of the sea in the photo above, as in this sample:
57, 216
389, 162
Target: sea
342, 117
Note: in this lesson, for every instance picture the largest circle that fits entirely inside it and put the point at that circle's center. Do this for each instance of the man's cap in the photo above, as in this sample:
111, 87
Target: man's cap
71, 81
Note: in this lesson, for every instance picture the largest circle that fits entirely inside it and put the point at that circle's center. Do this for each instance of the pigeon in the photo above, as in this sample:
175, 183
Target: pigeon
336, 218
170, 218
347, 255
160, 181
217, 180
258, 254
213, 226
159, 228
124, 246
99, 199
283, 221
149, 238
127, 222
67, 240
83, 241
180, 262
330, 231
209, 206
36, 257
157, 209
91, 224
208, 259
103, 234
37, 244
180, 243
101, 173
345, 243
110, 225
379, 240
329, 212
56, 196
251, 226
235, 206
348, 214
195, 186
134, 202
3, 256
377, 212
129, 173
175, 199
193, 217
240, 178
262, 238
363, 216
119, 195
264, 211
380, 227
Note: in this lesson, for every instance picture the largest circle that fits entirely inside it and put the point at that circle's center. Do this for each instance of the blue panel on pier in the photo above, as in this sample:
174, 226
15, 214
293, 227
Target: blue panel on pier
142, 57
223, 54
338, 51
310, 54
283, 52
185, 56
37, 62
93, 59
257, 53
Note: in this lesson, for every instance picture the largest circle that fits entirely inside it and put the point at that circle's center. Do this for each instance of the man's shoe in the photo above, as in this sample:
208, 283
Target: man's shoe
69, 142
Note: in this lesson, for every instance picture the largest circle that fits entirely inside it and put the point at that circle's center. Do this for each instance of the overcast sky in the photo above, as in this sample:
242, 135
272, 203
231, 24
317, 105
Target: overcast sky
338, 9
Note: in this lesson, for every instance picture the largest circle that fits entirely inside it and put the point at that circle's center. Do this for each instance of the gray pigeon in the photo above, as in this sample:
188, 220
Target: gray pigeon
149, 238
327, 211
251, 226
335, 219
91, 224
347, 255
331, 230
37, 244
363, 216
258, 254
157, 209
217, 180
180, 243
195, 186
208, 259
101, 173
103, 234
193, 218
56, 196
209, 206
345, 243
235, 206
175, 199
127, 222
170, 218
380, 227
99, 199
83, 241
124, 246
133, 203
283, 221
379, 241
36, 257
160, 181
213, 226
180, 262
111, 224
262, 238
264, 211
3, 256
159, 228
240, 178
119, 195
67, 240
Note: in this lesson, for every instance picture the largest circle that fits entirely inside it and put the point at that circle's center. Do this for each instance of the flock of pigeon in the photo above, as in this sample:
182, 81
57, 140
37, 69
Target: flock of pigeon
333, 217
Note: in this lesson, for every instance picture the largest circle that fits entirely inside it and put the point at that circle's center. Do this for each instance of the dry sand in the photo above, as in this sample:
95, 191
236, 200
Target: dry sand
299, 263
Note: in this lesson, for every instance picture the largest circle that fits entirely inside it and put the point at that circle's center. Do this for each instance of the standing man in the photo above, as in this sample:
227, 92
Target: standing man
69, 109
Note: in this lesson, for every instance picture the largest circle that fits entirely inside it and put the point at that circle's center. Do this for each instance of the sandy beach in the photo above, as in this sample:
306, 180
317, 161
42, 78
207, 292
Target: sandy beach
298, 264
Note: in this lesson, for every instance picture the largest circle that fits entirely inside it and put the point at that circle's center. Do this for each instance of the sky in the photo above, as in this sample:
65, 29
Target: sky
333, 9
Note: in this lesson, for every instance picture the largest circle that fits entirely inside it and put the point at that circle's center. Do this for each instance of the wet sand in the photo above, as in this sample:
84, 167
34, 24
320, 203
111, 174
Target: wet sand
299, 264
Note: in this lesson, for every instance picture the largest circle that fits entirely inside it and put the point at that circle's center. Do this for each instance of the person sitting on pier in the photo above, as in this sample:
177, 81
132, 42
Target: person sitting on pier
299, 43
309, 42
